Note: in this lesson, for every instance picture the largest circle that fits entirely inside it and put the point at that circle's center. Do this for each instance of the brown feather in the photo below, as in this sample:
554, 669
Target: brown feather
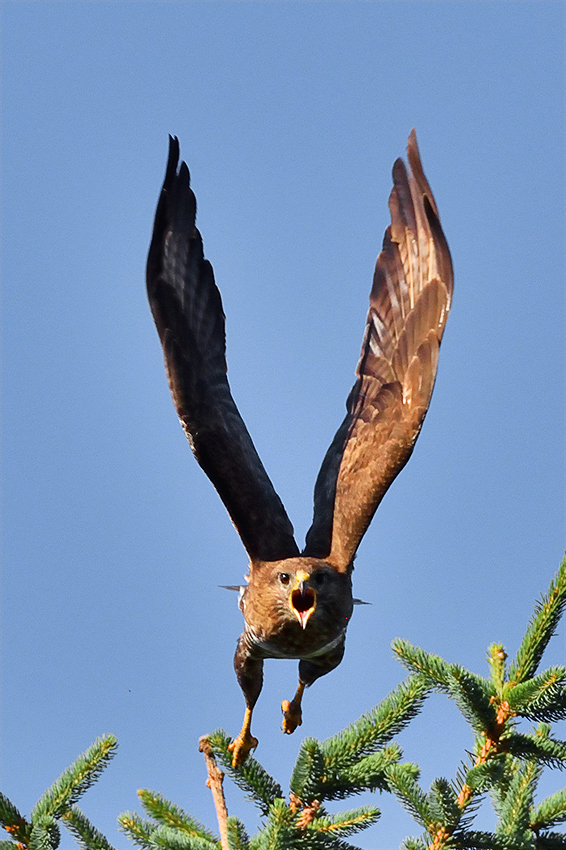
187, 309
409, 305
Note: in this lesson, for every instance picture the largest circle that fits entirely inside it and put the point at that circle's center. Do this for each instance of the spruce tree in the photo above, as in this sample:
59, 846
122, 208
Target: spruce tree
505, 764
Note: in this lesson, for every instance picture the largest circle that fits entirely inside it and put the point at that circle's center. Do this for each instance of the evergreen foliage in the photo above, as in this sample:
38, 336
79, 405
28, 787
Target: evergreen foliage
41, 831
506, 763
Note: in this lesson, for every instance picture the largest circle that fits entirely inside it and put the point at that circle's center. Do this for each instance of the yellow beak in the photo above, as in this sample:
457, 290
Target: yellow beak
303, 598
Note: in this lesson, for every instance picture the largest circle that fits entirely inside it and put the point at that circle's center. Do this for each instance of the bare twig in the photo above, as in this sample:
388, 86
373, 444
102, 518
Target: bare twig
214, 782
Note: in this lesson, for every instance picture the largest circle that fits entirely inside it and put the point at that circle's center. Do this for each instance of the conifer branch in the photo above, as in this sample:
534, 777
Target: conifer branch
412, 797
506, 763
87, 836
496, 659
550, 811
514, 813
473, 694
347, 823
414, 844
169, 838
237, 835
280, 832
251, 777
77, 779
368, 774
45, 833
545, 750
477, 840
444, 803
12, 820
308, 776
482, 776
138, 829
167, 813
378, 726
551, 841
543, 694
541, 628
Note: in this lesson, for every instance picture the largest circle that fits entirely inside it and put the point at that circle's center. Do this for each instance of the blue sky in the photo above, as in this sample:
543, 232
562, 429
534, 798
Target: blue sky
290, 116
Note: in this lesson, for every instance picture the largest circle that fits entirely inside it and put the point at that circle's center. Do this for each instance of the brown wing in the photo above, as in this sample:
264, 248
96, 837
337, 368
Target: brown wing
187, 309
409, 304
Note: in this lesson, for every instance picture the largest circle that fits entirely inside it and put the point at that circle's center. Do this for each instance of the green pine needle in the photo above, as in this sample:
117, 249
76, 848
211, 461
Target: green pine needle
477, 840
139, 830
280, 832
444, 803
13, 822
309, 771
376, 727
368, 774
8, 845
85, 833
417, 660
521, 696
541, 628
514, 816
237, 835
346, 823
169, 838
45, 833
547, 751
471, 693
551, 841
482, 776
10, 818
168, 814
411, 795
540, 698
550, 811
251, 777
77, 779
496, 659
414, 844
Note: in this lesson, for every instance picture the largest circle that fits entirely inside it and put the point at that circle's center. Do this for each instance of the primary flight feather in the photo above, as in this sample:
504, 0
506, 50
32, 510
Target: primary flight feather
297, 605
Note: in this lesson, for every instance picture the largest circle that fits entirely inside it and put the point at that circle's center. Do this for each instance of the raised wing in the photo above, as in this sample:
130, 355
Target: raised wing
187, 309
409, 304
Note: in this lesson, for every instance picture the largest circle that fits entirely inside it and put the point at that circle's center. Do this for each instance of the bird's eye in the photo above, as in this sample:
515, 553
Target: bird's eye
319, 579
284, 578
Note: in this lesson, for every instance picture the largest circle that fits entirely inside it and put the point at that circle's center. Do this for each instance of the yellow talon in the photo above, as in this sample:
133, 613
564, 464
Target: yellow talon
244, 743
241, 747
292, 715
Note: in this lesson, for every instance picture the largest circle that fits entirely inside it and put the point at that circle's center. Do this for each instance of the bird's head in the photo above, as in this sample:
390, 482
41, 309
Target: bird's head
300, 590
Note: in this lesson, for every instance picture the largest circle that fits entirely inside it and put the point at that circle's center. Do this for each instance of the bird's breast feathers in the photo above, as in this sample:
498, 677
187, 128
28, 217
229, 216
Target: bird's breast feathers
290, 643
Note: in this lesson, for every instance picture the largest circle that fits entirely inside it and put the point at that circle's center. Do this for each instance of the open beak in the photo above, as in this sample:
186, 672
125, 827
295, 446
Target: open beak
303, 599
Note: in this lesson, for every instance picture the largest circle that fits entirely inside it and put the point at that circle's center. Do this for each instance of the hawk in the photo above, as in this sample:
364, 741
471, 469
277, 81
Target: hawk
298, 604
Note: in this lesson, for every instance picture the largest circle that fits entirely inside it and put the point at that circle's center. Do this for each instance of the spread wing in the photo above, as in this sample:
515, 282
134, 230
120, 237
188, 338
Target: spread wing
409, 304
187, 309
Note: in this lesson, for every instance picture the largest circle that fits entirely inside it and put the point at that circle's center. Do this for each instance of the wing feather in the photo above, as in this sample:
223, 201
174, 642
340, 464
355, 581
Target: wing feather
187, 309
409, 305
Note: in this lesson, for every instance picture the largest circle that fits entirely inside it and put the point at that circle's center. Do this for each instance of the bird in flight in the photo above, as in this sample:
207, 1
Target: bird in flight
298, 604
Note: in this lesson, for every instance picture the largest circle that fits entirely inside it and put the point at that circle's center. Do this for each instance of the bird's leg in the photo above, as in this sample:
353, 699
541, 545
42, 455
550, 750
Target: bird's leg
309, 672
250, 677
292, 713
245, 742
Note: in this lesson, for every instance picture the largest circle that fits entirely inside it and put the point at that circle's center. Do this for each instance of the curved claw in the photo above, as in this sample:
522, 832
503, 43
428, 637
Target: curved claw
241, 747
292, 715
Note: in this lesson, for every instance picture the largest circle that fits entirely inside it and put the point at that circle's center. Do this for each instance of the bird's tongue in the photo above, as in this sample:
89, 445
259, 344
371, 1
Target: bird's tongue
303, 602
